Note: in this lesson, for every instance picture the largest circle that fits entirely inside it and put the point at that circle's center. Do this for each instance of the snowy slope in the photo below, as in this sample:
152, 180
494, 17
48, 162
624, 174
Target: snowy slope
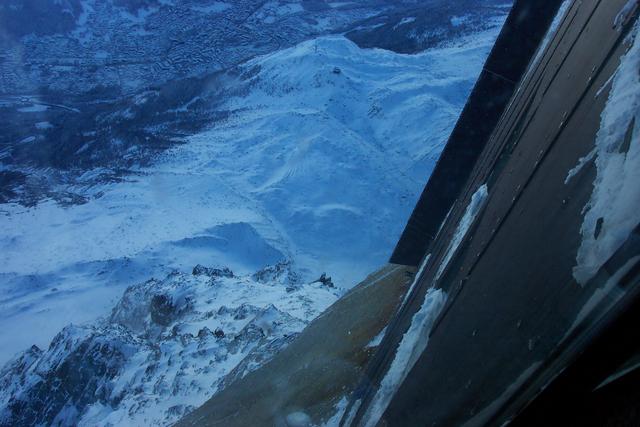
336, 142
320, 162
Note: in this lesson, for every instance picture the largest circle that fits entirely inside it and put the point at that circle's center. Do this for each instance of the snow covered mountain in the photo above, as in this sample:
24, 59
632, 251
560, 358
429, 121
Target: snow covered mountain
310, 165
307, 158
166, 347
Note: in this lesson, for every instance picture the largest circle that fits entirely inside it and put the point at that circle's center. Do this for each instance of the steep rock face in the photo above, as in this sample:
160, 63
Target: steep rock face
76, 371
155, 357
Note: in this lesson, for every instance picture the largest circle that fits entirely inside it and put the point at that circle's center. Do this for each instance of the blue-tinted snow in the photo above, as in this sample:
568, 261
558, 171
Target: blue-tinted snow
413, 343
321, 162
615, 199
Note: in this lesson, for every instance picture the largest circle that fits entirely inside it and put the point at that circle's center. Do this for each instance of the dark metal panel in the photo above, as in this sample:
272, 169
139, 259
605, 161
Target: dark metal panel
512, 297
599, 388
438, 197
514, 48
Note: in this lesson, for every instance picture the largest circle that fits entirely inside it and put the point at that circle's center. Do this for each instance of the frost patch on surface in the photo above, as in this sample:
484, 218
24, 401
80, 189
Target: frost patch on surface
553, 27
624, 13
416, 278
352, 413
340, 409
412, 345
611, 213
375, 341
475, 206
582, 161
